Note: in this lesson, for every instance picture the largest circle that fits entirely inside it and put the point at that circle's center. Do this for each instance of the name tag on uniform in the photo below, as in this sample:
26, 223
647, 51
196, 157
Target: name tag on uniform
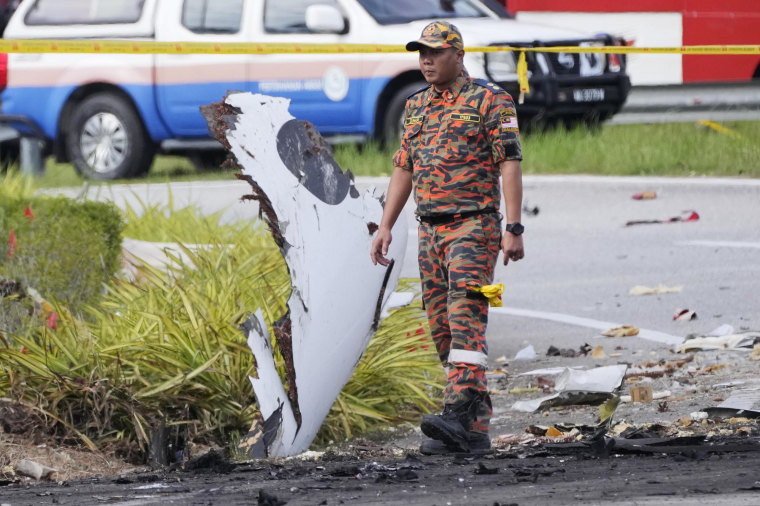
413, 120
469, 118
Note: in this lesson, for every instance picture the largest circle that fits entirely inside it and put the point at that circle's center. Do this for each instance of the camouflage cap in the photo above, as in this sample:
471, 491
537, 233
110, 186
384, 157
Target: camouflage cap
438, 34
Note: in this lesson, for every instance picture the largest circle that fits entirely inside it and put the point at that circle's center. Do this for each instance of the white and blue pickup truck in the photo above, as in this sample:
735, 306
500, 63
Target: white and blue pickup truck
110, 114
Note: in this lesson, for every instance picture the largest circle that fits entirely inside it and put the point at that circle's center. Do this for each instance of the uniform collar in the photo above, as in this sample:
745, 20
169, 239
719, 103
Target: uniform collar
450, 94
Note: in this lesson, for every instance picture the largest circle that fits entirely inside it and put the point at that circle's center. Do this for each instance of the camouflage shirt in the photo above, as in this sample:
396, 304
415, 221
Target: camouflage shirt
453, 143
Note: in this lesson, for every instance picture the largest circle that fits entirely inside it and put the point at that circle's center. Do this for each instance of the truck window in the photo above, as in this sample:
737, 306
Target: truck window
289, 16
388, 12
90, 12
211, 16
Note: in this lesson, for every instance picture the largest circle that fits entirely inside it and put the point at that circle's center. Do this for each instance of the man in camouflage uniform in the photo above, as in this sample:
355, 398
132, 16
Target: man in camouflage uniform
460, 135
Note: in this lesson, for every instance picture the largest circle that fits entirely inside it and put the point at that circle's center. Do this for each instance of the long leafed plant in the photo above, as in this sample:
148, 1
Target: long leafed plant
167, 345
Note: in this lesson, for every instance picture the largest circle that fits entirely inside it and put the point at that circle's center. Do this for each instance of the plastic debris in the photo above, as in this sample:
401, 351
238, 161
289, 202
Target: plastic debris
622, 331
491, 292
728, 342
657, 290
34, 470
598, 352
684, 315
686, 216
579, 387
549, 371
649, 195
527, 353
722, 330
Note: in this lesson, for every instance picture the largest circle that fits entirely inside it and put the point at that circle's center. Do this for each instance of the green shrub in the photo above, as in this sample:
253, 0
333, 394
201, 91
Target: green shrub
66, 250
62, 249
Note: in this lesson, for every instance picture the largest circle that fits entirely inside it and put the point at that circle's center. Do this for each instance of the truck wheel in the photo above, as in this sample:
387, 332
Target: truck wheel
107, 140
393, 123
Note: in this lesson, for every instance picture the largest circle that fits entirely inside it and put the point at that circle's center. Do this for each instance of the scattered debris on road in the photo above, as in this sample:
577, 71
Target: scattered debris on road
686, 216
657, 290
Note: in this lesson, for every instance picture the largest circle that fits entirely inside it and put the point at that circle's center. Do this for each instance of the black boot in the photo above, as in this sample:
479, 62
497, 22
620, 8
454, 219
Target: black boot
479, 444
451, 427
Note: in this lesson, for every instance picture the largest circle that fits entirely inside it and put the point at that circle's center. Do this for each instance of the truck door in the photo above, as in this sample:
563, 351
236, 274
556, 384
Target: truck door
186, 82
324, 89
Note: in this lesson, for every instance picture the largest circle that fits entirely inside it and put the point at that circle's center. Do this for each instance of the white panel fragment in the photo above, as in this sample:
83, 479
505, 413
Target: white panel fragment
326, 226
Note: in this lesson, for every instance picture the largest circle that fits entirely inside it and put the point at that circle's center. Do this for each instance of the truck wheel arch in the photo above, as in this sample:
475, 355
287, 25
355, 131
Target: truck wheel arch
76, 98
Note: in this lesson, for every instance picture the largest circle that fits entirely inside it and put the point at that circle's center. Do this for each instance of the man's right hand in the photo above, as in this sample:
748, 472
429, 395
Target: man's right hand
380, 247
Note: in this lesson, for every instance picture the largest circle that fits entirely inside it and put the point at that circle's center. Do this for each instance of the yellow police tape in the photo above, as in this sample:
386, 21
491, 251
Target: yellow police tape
155, 47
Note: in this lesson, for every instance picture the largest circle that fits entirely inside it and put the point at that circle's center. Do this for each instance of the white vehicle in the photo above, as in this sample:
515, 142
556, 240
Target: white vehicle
109, 114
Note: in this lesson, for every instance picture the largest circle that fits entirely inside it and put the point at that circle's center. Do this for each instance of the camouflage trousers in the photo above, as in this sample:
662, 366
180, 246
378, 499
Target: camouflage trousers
453, 257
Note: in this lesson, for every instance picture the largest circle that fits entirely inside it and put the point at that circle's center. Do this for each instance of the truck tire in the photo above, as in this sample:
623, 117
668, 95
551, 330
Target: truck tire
107, 140
393, 122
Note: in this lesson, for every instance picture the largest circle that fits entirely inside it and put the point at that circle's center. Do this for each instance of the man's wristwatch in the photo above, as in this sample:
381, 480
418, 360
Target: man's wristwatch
515, 228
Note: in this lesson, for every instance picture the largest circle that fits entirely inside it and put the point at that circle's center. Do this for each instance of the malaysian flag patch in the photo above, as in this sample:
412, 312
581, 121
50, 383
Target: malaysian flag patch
509, 124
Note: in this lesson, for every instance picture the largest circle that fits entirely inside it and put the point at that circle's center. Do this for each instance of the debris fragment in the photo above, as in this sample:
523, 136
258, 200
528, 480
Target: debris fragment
530, 211
722, 330
657, 290
598, 352
755, 355
579, 387
727, 342
664, 394
553, 351
648, 195
524, 390
685, 217
720, 128
684, 315
641, 394
622, 331
34, 470
320, 222
744, 403
607, 409
527, 353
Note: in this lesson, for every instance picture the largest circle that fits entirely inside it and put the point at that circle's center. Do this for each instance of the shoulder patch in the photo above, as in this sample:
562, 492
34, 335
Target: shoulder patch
418, 91
490, 85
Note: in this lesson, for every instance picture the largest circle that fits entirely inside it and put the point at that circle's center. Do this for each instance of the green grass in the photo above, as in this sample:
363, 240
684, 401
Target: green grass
671, 149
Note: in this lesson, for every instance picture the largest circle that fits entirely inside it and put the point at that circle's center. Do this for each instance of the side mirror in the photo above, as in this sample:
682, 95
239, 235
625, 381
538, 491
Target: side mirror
322, 18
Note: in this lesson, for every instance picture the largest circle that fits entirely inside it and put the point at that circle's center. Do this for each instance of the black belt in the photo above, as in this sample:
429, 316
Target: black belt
440, 219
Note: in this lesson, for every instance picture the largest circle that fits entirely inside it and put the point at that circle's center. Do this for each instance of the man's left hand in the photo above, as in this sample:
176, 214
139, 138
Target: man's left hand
512, 247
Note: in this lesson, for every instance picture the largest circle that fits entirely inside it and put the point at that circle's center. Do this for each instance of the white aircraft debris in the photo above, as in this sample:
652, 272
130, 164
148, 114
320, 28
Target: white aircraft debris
324, 228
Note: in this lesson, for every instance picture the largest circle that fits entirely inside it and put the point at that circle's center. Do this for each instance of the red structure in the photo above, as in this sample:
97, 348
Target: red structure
704, 22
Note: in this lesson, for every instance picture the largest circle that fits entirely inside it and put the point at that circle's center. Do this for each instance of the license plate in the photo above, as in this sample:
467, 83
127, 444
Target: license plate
589, 95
